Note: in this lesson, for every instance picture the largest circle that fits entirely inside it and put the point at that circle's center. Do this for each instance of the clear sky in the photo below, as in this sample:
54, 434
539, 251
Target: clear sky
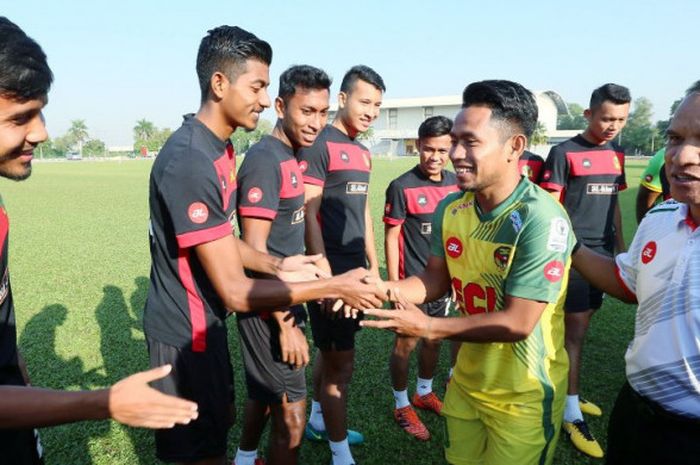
119, 61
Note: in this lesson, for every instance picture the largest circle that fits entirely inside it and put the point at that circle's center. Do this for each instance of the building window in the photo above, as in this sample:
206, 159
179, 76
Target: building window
393, 116
427, 112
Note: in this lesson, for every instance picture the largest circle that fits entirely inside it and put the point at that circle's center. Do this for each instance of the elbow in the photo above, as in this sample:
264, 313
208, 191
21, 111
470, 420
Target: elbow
237, 297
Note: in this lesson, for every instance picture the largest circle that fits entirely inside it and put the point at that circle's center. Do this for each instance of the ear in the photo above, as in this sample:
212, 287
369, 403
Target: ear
342, 100
587, 113
280, 107
218, 84
518, 144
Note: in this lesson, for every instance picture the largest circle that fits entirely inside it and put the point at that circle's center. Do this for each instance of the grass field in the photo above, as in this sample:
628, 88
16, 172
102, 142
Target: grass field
80, 263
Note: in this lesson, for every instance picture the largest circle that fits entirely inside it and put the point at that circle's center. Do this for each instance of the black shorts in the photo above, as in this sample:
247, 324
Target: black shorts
267, 378
336, 332
439, 308
203, 377
580, 295
18, 446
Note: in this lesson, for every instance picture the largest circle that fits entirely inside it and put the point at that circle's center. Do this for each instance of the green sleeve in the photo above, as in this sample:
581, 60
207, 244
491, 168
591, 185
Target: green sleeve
650, 176
542, 254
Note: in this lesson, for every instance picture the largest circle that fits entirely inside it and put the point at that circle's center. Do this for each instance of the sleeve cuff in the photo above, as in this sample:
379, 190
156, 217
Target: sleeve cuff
190, 239
628, 292
551, 186
257, 212
312, 180
392, 221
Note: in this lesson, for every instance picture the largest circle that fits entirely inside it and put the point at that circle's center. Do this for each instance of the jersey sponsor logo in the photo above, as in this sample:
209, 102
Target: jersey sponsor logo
501, 256
345, 157
601, 188
546, 175
357, 188
586, 163
558, 235
255, 195
473, 298
4, 286
294, 180
426, 228
461, 206
517, 221
648, 178
554, 271
387, 208
453, 247
303, 166
298, 216
649, 252
198, 212
422, 200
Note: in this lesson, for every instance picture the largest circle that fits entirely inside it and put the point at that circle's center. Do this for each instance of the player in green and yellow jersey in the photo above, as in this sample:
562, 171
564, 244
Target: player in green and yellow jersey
503, 245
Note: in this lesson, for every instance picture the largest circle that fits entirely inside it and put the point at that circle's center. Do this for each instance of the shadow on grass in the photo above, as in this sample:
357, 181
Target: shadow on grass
66, 444
122, 353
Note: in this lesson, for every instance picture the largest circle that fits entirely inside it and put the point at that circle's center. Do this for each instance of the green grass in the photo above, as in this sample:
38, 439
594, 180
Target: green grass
80, 264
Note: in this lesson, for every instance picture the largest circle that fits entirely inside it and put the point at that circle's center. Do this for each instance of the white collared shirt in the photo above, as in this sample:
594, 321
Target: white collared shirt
662, 269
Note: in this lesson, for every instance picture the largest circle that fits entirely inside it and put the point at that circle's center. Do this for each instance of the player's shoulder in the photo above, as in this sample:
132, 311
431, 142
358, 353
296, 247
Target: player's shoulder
267, 152
183, 154
449, 178
455, 199
664, 208
406, 179
537, 204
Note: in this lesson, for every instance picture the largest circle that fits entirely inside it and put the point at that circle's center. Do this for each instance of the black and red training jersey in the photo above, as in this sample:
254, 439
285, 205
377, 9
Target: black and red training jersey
411, 200
8, 333
530, 165
271, 187
192, 200
341, 166
589, 178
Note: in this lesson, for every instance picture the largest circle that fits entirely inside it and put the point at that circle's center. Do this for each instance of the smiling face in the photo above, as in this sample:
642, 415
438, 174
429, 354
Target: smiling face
22, 128
303, 115
359, 108
433, 153
606, 121
682, 158
246, 97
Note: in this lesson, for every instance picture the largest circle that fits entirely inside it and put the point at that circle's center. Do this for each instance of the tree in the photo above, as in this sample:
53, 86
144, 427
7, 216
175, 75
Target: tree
662, 125
539, 135
94, 147
640, 134
144, 130
78, 132
147, 135
242, 139
574, 119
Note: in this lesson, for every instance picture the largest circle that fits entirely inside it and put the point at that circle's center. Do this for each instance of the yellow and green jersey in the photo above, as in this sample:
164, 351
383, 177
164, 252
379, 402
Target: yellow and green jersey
521, 249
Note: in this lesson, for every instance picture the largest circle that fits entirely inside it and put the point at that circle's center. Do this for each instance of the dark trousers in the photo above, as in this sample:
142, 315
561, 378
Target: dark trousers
642, 433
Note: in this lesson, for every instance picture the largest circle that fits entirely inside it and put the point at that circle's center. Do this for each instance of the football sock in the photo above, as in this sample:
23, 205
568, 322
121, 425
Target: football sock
245, 457
572, 411
401, 398
424, 386
341, 452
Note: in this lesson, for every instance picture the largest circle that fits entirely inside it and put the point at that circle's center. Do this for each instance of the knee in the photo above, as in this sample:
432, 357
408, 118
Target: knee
403, 347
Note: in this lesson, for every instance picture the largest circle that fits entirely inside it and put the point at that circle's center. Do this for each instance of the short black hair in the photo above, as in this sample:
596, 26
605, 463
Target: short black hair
694, 88
226, 49
509, 102
617, 94
24, 72
435, 126
304, 77
363, 73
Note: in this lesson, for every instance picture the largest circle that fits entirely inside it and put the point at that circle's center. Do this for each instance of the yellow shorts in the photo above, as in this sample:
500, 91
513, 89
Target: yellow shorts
478, 437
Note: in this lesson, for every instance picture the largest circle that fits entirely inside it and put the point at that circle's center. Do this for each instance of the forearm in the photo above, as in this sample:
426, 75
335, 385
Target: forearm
256, 260
248, 295
370, 249
600, 271
619, 234
391, 252
24, 407
418, 289
484, 327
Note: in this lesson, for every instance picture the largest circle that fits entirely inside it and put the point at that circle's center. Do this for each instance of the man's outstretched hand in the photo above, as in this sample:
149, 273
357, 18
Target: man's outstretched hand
133, 402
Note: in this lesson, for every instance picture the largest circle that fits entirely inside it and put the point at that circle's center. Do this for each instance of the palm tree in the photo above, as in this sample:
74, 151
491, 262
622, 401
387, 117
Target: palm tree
78, 132
144, 130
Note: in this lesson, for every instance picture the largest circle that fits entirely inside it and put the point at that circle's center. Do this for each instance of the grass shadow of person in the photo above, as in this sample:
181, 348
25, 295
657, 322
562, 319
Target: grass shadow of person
66, 443
123, 349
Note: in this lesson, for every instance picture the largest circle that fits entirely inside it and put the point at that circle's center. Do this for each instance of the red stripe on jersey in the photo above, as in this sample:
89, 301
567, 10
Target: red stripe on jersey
292, 180
201, 236
402, 255
313, 181
535, 166
225, 168
551, 186
595, 162
392, 221
627, 291
347, 157
194, 302
257, 212
4, 227
424, 200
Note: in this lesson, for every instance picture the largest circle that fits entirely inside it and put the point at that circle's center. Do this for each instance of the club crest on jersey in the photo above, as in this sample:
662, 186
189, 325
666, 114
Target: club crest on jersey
356, 188
303, 166
223, 183
298, 216
422, 200
649, 252
586, 163
198, 212
517, 221
558, 235
294, 180
453, 247
501, 256
345, 157
554, 271
255, 195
